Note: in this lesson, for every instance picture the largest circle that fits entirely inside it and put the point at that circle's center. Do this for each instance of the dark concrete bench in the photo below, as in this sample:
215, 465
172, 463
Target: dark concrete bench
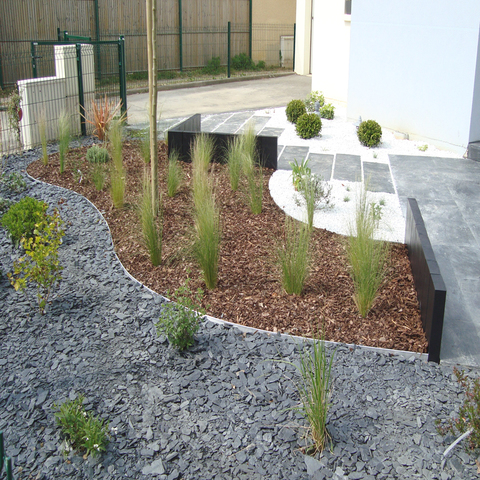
429, 283
181, 136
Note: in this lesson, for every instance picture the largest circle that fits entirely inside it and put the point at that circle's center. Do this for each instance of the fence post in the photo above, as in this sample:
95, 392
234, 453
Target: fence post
180, 38
4, 460
229, 43
122, 73
81, 98
34, 59
97, 36
294, 42
250, 19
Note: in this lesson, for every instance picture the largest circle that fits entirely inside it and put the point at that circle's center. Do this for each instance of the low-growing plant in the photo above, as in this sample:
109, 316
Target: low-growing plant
327, 111
21, 218
316, 194
174, 174
40, 265
366, 256
468, 421
98, 176
261, 65
293, 256
96, 154
346, 198
63, 138
308, 125
82, 430
151, 221
315, 388
213, 67
295, 109
314, 96
369, 133
423, 148
242, 62
5, 204
299, 171
42, 130
13, 182
181, 320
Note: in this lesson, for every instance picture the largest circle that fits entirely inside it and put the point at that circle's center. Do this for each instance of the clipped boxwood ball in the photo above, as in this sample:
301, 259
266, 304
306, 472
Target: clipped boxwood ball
295, 109
308, 125
369, 133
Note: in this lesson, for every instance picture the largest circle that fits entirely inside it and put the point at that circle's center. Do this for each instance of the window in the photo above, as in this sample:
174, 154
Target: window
348, 7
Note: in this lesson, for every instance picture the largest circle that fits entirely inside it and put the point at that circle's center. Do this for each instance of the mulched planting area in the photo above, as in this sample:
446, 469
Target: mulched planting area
249, 290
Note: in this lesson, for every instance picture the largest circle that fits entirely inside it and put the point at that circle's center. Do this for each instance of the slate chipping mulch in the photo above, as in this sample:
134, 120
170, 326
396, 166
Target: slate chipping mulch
221, 410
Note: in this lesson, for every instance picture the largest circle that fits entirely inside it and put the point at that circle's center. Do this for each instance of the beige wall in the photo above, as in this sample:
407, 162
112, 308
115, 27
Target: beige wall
273, 11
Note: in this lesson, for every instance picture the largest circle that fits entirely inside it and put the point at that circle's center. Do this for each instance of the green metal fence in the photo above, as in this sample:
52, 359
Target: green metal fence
5, 462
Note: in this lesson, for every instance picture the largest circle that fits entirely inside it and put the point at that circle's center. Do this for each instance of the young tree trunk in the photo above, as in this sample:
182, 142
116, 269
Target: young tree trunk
152, 91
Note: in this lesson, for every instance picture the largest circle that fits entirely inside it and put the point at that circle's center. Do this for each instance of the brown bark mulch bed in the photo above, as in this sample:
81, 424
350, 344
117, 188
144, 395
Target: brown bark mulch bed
249, 291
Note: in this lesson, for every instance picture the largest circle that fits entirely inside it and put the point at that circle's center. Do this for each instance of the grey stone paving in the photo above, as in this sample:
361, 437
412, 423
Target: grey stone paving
378, 177
321, 164
347, 167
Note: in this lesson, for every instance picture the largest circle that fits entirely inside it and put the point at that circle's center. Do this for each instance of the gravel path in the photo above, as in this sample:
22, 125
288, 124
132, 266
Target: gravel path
221, 410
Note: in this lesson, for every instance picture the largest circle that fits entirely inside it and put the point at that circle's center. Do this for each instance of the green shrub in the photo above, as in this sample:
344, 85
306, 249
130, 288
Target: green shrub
369, 133
327, 111
181, 320
213, 67
294, 110
242, 62
261, 65
5, 204
308, 125
83, 430
313, 97
21, 218
98, 154
166, 75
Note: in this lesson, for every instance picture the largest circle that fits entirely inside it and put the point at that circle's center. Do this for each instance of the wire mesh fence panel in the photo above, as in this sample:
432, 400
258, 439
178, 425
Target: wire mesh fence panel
273, 44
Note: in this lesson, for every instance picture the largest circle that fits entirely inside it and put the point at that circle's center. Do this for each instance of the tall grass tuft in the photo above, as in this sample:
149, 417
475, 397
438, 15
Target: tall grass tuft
145, 145
98, 176
316, 194
151, 222
206, 213
174, 175
42, 130
63, 138
117, 173
315, 390
367, 257
253, 174
294, 256
234, 159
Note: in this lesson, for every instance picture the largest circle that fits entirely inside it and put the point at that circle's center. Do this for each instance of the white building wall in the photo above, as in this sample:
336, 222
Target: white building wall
303, 37
413, 67
331, 49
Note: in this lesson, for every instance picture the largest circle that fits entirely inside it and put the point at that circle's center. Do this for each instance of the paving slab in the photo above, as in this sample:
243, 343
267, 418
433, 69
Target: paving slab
291, 154
272, 132
321, 164
378, 176
234, 122
212, 122
347, 167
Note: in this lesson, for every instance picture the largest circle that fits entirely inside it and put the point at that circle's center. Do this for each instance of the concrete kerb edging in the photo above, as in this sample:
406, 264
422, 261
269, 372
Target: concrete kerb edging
206, 83
384, 351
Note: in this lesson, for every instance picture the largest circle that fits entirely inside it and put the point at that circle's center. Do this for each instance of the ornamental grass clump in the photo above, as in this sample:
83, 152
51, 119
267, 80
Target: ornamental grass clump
293, 256
234, 160
174, 175
63, 138
366, 256
117, 173
252, 170
82, 430
151, 221
315, 193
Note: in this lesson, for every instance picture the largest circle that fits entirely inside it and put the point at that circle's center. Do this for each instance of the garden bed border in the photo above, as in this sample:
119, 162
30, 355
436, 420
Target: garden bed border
181, 136
431, 289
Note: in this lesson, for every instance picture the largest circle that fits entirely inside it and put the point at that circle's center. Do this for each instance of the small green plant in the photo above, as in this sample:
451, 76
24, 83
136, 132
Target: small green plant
295, 109
316, 194
469, 413
315, 391
82, 430
63, 138
213, 67
327, 111
21, 218
366, 256
181, 320
261, 65
294, 256
346, 198
234, 159
98, 176
5, 204
382, 202
151, 221
42, 130
174, 175
117, 173
40, 264
314, 96
299, 171
13, 182
369, 133
242, 62
423, 148
96, 154
308, 125
375, 154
